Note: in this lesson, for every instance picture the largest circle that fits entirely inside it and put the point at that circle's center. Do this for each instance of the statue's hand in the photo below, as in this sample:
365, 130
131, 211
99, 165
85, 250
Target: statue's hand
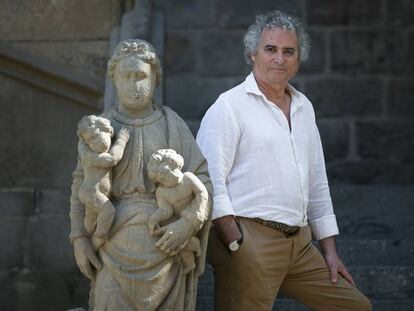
124, 134
85, 257
175, 236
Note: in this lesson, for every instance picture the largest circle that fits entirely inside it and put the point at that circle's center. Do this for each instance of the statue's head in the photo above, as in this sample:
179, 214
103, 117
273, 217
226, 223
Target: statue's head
96, 132
135, 69
164, 167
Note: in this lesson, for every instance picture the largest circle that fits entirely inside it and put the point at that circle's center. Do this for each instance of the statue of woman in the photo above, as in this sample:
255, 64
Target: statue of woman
135, 270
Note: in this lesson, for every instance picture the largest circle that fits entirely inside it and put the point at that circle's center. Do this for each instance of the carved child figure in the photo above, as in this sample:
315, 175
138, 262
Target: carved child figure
97, 158
176, 191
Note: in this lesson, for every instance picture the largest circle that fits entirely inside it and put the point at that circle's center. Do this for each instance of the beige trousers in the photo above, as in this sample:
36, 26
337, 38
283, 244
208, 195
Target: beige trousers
269, 260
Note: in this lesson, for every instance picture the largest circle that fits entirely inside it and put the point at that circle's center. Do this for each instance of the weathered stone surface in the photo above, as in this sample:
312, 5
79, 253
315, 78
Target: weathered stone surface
52, 202
385, 282
316, 61
28, 161
400, 12
401, 98
344, 12
355, 51
44, 253
183, 13
87, 57
373, 211
190, 97
365, 252
392, 140
236, 13
335, 139
55, 19
12, 238
221, 53
370, 172
17, 203
408, 59
345, 97
180, 53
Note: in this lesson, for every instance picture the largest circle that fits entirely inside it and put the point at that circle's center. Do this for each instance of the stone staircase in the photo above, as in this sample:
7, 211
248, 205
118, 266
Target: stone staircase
376, 243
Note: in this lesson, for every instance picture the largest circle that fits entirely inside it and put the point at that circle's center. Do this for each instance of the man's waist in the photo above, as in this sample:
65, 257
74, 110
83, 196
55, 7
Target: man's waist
279, 226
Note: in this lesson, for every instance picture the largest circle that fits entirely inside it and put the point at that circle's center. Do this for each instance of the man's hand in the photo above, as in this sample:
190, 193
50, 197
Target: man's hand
333, 261
85, 257
227, 229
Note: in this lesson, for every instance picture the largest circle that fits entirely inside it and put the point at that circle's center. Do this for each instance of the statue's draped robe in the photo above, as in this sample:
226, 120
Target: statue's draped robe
136, 274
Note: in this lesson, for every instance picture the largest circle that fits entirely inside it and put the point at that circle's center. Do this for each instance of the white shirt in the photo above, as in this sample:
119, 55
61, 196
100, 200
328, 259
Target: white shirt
261, 168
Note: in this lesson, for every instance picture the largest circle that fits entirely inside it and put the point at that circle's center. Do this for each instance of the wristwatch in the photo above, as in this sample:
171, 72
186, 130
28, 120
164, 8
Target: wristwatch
235, 245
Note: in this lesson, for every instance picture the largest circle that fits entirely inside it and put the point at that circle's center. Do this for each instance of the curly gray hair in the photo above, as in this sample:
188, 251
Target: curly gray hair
143, 49
275, 19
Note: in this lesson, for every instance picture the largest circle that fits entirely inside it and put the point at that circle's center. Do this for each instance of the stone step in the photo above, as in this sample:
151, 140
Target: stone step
374, 211
384, 252
377, 282
377, 305
207, 304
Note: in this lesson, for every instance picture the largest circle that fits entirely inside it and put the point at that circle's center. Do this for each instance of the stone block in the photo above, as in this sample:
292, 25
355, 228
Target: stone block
400, 12
55, 20
53, 202
221, 53
39, 154
185, 14
17, 203
409, 60
392, 140
401, 98
370, 172
180, 53
345, 97
194, 125
395, 282
8, 295
190, 96
316, 60
344, 12
12, 239
373, 211
392, 304
49, 248
335, 138
355, 51
88, 57
241, 13
365, 252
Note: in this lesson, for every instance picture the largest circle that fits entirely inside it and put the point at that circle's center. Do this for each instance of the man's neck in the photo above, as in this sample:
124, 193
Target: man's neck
276, 93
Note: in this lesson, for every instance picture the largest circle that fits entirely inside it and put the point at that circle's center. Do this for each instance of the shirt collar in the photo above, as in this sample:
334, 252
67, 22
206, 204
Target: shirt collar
250, 86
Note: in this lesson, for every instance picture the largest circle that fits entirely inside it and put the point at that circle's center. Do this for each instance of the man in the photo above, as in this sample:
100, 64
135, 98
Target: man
271, 193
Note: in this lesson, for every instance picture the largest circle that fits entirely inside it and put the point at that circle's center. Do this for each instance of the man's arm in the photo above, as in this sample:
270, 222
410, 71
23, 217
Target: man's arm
321, 216
333, 261
218, 140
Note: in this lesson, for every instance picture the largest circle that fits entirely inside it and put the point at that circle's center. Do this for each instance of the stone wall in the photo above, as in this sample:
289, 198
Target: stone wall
359, 75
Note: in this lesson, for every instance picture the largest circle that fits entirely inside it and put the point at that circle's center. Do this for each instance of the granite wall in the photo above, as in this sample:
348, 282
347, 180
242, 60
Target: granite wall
360, 75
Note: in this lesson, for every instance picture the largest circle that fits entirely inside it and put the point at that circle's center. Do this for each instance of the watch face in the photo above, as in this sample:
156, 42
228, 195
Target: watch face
234, 246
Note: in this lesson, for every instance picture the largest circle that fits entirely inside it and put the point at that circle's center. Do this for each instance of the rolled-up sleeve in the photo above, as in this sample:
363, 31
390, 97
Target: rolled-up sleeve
321, 216
218, 138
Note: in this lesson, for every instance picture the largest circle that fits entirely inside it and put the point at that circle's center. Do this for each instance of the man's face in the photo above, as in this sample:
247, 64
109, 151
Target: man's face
135, 83
277, 58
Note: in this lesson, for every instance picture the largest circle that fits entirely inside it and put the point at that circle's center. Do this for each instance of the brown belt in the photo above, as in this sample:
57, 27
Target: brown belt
276, 225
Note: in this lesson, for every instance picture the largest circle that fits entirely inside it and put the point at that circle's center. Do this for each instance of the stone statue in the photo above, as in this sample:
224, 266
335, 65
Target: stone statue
136, 268
176, 193
97, 159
